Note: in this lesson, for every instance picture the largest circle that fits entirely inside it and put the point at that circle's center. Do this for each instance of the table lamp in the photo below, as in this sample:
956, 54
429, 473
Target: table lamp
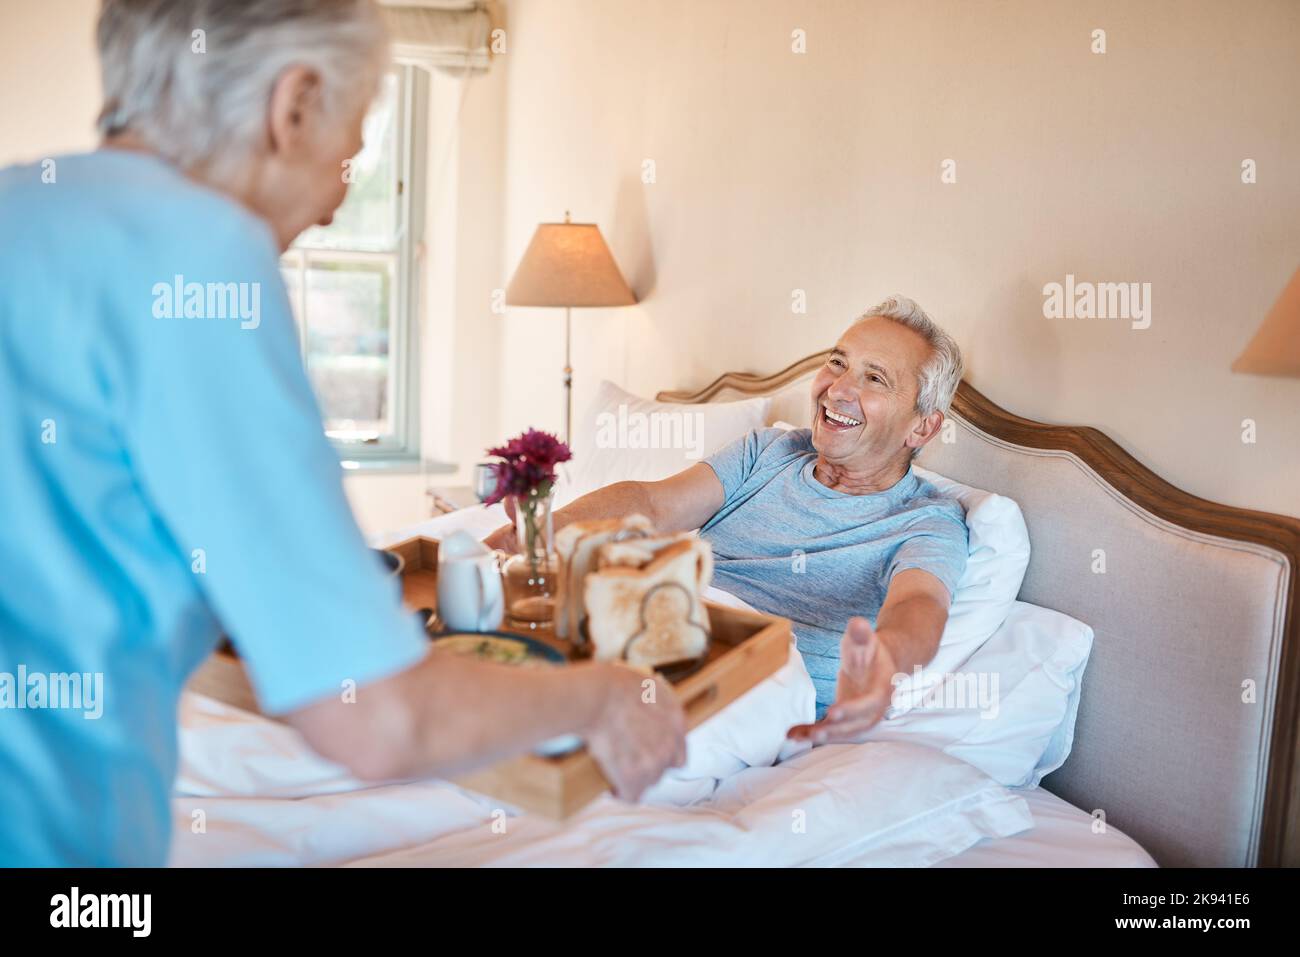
1275, 349
568, 264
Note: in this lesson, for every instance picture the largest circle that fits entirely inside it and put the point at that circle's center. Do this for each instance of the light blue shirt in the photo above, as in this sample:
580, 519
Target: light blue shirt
164, 478
790, 546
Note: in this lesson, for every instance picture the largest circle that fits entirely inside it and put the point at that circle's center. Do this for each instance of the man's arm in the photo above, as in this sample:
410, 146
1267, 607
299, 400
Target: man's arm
912, 619
449, 714
682, 502
907, 633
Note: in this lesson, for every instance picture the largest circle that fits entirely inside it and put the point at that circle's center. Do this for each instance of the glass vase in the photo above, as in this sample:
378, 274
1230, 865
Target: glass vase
530, 576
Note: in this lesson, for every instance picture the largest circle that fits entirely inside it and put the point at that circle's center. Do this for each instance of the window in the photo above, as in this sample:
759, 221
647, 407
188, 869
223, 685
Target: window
354, 286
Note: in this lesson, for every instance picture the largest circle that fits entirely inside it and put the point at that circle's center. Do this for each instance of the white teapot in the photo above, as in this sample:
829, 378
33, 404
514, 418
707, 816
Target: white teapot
470, 597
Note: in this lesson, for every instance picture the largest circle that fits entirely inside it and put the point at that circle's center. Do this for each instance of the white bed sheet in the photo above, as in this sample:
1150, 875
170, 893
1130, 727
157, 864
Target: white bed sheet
250, 794
1062, 836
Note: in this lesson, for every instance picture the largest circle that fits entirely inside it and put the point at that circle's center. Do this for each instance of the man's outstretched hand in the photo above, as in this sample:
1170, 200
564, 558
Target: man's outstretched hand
862, 691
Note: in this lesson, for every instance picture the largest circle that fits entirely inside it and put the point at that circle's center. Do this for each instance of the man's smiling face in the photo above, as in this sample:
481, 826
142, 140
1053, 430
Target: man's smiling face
865, 395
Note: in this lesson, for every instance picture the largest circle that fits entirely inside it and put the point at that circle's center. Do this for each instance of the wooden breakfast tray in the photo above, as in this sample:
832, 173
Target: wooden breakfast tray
746, 647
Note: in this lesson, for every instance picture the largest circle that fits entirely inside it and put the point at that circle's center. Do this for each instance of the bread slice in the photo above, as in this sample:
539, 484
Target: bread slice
577, 545
637, 553
650, 614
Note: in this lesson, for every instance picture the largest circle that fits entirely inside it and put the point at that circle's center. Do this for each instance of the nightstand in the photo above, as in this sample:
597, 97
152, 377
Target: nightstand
450, 498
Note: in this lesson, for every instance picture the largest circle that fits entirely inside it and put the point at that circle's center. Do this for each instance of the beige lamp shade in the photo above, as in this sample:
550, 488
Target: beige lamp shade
568, 264
1275, 350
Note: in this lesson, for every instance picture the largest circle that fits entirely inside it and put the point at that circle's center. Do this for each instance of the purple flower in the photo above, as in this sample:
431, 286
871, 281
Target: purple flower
527, 466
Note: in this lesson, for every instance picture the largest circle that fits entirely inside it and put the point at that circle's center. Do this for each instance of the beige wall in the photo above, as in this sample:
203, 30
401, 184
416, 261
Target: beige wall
777, 171
49, 96
821, 172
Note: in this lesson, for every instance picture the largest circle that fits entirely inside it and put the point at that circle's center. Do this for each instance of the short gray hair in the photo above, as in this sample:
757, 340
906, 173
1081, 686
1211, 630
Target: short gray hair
937, 381
209, 108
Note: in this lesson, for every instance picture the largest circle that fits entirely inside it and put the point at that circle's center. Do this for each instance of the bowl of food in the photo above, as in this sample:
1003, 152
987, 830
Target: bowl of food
499, 648
394, 564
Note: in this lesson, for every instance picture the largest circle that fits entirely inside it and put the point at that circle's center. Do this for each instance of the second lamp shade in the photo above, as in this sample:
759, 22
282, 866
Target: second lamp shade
1275, 349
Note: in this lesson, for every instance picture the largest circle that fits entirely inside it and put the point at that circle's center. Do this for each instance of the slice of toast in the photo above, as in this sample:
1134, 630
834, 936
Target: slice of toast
577, 545
650, 614
637, 551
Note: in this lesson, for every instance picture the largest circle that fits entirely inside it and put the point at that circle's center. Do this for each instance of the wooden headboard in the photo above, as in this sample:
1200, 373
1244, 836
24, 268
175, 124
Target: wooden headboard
1187, 731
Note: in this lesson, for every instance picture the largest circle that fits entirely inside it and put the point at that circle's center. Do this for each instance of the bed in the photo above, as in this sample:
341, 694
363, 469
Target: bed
307, 814
1168, 765
1199, 599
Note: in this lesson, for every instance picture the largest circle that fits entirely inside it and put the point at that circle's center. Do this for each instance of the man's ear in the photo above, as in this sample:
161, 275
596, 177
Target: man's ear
926, 429
294, 98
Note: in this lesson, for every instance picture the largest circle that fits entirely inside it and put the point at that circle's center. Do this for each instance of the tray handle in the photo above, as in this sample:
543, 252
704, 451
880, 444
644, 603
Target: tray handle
698, 704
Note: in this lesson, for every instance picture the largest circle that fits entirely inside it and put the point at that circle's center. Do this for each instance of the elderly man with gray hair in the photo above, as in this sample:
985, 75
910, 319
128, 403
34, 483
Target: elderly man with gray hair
830, 526
167, 476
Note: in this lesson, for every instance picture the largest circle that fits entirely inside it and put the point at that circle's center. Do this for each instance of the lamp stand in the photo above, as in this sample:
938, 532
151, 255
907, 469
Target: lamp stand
568, 380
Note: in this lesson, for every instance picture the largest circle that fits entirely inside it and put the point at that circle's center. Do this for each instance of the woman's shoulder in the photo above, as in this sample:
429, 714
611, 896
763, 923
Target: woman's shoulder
124, 200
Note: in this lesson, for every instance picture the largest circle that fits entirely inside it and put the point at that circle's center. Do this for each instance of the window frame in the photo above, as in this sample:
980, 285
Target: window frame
399, 449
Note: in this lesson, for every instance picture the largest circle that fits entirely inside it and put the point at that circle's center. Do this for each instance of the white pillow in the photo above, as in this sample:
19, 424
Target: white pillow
794, 403
623, 437
1010, 709
995, 568
878, 804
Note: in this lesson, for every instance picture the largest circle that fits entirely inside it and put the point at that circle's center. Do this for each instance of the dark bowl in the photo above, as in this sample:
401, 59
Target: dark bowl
393, 563
537, 649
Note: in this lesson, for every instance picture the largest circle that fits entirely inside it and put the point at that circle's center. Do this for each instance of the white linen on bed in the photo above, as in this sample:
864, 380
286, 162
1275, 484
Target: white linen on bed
228, 752
749, 732
1062, 836
267, 800
1032, 671
881, 805
402, 823
886, 804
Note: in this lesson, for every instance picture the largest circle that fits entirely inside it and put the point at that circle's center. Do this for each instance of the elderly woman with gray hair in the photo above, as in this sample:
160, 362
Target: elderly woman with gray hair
167, 472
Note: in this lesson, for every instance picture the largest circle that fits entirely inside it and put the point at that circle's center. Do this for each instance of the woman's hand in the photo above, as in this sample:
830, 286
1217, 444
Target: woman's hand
640, 730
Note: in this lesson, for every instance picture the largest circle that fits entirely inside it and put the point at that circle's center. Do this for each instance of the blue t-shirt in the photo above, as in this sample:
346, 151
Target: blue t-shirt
164, 478
790, 546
